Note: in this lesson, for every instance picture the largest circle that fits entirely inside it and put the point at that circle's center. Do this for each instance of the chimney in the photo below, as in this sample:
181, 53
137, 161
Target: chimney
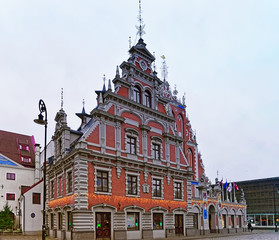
37, 162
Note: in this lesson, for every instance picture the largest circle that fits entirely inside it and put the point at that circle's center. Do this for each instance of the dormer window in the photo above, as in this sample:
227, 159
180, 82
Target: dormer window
26, 159
24, 147
137, 94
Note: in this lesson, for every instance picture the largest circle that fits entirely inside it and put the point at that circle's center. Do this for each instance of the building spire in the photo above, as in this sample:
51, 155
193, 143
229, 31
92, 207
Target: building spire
141, 25
62, 99
104, 86
83, 109
164, 68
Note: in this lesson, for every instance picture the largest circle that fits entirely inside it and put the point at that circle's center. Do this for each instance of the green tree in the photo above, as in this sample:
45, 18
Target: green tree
6, 218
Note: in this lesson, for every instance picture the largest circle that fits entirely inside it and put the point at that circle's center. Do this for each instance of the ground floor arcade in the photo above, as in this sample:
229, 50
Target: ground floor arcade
132, 222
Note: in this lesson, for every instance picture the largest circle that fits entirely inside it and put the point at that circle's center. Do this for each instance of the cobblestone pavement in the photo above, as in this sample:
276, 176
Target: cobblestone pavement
22, 237
255, 235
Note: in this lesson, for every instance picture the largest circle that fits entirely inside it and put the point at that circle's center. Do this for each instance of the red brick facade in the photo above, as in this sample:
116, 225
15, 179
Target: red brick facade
133, 162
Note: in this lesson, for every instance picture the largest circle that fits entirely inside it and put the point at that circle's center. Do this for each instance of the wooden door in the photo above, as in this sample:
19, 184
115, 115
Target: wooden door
179, 224
103, 226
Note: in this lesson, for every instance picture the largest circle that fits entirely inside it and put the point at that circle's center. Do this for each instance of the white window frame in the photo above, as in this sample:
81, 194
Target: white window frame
109, 180
133, 133
138, 183
67, 182
157, 141
58, 187
182, 189
162, 186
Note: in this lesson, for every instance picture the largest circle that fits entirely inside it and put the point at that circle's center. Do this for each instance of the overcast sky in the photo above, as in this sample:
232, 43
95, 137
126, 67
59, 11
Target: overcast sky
223, 54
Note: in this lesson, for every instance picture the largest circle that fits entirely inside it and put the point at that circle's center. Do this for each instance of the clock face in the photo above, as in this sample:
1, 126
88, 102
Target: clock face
143, 65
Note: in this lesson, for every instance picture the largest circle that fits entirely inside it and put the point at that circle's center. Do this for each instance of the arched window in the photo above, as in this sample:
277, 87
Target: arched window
137, 94
147, 99
189, 156
180, 125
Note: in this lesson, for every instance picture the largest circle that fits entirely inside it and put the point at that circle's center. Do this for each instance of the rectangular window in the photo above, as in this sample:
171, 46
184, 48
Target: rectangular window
177, 190
102, 181
26, 159
69, 182
132, 185
10, 196
52, 189
132, 221
10, 176
156, 148
59, 186
24, 147
158, 221
36, 198
131, 142
69, 221
59, 221
156, 188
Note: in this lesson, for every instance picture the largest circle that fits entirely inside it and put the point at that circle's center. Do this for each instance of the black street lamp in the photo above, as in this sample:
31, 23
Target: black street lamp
42, 121
274, 199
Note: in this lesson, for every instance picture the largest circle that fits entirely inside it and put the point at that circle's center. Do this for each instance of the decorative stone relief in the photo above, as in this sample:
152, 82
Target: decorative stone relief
145, 188
145, 175
118, 170
168, 178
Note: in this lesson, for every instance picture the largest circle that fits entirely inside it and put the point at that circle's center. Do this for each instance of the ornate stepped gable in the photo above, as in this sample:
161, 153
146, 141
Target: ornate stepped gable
143, 106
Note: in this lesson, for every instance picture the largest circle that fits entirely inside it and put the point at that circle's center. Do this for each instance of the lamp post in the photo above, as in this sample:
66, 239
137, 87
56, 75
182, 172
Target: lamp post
274, 200
42, 121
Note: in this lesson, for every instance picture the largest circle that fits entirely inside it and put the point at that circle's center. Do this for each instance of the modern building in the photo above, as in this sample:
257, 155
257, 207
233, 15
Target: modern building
262, 201
19, 169
133, 169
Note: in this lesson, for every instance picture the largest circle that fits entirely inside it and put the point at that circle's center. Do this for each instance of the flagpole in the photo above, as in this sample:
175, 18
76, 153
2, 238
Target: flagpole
234, 199
227, 195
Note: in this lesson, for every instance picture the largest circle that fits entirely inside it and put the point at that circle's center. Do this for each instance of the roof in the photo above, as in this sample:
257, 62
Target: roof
5, 161
34, 185
17, 147
253, 181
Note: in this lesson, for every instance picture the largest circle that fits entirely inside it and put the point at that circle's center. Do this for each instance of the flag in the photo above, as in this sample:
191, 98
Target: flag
229, 187
225, 185
236, 187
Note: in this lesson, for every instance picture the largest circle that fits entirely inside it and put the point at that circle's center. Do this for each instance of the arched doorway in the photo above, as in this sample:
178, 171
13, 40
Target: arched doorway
224, 219
212, 219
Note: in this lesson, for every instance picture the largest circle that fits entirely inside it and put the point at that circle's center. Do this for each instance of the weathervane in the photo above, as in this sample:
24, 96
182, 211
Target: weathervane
141, 26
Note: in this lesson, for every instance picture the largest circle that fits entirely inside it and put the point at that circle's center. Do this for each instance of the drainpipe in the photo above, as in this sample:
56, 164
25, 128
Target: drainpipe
23, 214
